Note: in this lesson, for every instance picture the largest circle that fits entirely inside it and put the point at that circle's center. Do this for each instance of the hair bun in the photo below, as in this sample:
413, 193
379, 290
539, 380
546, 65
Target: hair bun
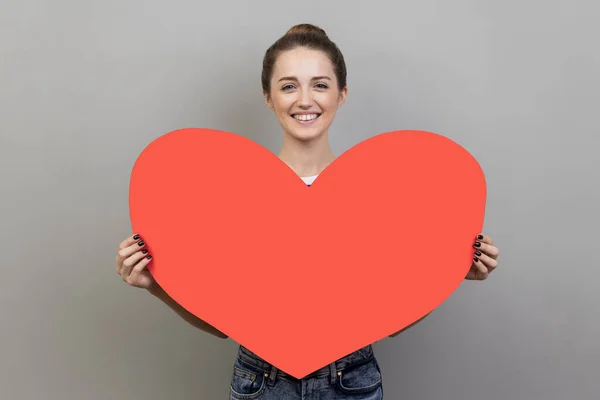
306, 28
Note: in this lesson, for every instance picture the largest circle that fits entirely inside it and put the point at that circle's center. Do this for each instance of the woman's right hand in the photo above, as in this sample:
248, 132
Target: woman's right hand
132, 259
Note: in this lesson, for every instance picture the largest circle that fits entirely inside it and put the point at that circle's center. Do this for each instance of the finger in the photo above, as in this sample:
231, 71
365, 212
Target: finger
131, 261
122, 253
485, 239
484, 272
486, 260
139, 267
488, 249
129, 241
125, 252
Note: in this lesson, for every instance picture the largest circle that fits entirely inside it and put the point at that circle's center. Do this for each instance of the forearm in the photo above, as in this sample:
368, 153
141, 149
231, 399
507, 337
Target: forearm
410, 326
158, 292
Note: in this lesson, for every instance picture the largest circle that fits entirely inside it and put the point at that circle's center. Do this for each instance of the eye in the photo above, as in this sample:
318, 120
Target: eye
322, 85
287, 87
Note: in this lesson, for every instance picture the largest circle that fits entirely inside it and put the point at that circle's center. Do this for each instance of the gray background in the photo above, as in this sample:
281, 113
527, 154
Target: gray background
86, 85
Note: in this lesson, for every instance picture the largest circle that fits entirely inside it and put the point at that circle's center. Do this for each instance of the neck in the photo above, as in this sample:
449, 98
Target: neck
307, 158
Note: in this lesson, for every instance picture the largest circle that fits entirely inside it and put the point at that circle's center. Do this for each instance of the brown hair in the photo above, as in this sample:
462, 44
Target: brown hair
303, 35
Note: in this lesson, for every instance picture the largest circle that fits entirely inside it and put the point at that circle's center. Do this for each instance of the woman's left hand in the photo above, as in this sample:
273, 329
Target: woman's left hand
485, 259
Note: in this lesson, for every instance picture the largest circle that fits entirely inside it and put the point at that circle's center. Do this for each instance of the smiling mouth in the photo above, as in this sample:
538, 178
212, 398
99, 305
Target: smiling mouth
306, 118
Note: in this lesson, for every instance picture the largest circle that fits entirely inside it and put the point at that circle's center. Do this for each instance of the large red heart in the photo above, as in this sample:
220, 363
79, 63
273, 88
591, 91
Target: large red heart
304, 275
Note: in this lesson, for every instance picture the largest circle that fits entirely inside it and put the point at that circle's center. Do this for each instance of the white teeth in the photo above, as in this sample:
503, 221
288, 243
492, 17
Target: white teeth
308, 117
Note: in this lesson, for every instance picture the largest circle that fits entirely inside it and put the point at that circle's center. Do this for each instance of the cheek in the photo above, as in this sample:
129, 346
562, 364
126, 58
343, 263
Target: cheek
331, 109
331, 103
283, 113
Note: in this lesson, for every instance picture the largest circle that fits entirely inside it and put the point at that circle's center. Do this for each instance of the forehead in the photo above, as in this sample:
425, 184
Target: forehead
302, 62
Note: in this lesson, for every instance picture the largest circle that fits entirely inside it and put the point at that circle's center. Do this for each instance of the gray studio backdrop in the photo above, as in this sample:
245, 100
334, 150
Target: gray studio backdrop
86, 85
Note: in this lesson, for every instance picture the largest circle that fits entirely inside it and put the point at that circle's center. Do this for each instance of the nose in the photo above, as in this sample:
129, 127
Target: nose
305, 100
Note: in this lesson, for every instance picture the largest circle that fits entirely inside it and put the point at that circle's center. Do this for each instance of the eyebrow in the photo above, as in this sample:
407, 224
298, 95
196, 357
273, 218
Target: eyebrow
293, 78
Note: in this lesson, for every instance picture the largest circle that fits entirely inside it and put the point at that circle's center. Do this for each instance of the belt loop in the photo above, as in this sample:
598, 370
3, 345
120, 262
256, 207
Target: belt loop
272, 375
332, 370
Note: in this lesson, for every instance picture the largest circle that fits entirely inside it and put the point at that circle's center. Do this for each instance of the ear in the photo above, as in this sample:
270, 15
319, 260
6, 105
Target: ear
342, 96
268, 101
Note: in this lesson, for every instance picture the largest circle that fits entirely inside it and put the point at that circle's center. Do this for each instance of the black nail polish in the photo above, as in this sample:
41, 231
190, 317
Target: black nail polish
479, 237
141, 243
149, 257
477, 244
477, 252
475, 259
136, 237
144, 251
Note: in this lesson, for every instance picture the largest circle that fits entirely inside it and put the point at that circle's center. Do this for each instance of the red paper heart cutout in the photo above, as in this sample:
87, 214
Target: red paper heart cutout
302, 275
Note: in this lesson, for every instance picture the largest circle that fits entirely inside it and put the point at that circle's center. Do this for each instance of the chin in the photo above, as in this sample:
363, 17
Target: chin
306, 134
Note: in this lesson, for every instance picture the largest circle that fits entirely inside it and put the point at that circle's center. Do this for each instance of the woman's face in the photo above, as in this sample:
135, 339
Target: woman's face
304, 93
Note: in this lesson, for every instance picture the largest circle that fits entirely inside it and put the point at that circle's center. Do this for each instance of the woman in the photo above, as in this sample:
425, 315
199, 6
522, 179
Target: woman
304, 83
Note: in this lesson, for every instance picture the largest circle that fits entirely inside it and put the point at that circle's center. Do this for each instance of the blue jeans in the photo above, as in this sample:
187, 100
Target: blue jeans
356, 376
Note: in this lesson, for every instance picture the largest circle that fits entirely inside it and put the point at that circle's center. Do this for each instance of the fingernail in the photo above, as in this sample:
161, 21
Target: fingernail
479, 237
149, 257
141, 243
475, 259
144, 251
477, 244
136, 237
477, 252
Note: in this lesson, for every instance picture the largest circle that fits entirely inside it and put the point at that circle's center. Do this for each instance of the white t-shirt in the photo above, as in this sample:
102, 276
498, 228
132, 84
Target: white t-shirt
309, 179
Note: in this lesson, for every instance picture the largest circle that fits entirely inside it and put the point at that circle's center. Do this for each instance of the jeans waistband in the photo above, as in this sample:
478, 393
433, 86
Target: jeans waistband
361, 356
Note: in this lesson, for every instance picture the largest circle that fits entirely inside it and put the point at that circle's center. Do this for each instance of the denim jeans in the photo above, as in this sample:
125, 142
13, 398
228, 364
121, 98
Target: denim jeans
356, 376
